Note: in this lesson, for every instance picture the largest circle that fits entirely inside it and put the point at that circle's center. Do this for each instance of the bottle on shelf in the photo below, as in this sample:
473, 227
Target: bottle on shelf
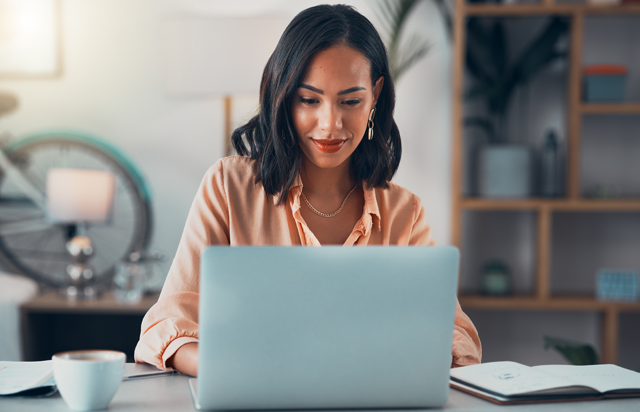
550, 167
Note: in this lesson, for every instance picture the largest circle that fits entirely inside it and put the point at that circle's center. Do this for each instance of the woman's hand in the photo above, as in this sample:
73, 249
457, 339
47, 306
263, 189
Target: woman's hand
185, 360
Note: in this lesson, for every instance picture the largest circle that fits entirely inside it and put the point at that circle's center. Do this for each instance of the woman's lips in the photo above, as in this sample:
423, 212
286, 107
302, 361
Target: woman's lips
328, 145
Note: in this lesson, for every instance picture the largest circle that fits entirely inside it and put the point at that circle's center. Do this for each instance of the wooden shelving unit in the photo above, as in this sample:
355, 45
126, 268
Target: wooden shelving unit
542, 300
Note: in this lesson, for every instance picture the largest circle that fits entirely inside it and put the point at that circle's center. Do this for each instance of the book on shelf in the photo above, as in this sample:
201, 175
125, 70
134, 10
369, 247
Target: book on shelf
514, 383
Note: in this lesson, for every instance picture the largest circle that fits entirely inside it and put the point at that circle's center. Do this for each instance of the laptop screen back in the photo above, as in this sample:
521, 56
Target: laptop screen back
329, 327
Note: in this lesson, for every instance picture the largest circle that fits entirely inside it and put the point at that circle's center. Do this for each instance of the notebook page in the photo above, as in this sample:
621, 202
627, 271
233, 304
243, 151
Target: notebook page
509, 378
600, 377
19, 376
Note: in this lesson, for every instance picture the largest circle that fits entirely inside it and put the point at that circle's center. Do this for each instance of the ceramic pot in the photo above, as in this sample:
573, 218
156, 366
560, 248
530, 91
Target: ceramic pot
505, 171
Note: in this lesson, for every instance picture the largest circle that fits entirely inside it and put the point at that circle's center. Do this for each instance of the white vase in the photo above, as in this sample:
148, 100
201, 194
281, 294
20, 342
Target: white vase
505, 171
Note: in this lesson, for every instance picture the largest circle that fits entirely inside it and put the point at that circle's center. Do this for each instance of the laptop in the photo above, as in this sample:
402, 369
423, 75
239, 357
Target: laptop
325, 328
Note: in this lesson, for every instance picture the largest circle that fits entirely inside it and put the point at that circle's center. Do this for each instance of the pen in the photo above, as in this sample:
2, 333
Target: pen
151, 374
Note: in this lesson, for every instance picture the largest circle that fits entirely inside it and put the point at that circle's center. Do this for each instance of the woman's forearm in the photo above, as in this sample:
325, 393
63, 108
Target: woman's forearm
185, 360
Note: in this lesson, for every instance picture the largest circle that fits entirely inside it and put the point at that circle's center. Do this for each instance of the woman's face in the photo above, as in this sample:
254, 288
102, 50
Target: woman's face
332, 104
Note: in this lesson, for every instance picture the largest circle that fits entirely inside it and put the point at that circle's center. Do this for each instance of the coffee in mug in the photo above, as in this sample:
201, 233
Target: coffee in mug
88, 379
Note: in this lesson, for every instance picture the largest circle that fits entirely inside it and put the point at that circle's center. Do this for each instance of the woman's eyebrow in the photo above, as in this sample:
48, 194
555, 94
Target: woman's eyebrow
351, 90
347, 91
313, 89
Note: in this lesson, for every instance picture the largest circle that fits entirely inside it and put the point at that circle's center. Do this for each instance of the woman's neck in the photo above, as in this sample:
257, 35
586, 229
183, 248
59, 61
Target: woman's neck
334, 182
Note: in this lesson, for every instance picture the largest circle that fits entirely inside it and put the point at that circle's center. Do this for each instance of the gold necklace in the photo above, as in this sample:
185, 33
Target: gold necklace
317, 212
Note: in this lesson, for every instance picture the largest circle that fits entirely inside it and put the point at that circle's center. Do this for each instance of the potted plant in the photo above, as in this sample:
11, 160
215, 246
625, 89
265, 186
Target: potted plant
504, 168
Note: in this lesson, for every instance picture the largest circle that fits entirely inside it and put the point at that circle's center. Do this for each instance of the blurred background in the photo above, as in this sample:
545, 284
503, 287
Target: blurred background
147, 91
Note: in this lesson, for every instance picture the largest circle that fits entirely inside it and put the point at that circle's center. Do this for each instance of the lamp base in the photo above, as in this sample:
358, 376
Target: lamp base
80, 273
73, 293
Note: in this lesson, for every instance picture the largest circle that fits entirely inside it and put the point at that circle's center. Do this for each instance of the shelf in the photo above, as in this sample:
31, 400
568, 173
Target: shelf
582, 205
610, 108
571, 303
52, 302
544, 9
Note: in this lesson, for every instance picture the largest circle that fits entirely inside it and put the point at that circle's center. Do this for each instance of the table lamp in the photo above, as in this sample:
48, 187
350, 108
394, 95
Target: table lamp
79, 197
222, 57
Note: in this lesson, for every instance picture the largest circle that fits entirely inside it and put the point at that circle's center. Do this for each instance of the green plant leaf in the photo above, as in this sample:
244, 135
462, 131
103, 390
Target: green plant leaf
480, 55
540, 52
446, 16
483, 124
499, 48
414, 50
576, 353
476, 70
487, 60
393, 15
478, 91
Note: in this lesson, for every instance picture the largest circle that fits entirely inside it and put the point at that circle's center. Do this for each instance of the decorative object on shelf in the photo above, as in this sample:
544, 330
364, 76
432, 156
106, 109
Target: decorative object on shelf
601, 191
78, 197
505, 171
393, 14
155, 275
604, 83
31, 244
604, 2
576, 353
617, 285
495, 279
128, 281
136, 275
550, 184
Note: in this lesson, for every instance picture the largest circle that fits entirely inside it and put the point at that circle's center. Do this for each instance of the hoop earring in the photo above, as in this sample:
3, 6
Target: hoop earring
370, 123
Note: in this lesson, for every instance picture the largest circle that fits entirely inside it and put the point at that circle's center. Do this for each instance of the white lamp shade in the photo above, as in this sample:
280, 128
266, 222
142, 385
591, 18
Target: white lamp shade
222, 56
79, 195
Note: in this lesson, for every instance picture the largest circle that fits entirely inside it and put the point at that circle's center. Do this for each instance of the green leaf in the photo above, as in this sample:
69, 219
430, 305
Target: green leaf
475, 68
393, 14
575, 352
446, 16
540, 52
479, 51
478, 91
483, 124
499, 47
487, 61
415, 49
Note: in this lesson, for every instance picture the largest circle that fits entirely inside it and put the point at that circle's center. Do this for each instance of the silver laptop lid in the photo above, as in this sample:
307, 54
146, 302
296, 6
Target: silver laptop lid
329, 327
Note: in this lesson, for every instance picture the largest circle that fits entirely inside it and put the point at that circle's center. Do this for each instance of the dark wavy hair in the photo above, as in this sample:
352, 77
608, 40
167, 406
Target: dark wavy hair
270, 137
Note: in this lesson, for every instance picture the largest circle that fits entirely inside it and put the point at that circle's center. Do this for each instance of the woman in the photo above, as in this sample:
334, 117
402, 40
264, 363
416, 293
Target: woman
315, 169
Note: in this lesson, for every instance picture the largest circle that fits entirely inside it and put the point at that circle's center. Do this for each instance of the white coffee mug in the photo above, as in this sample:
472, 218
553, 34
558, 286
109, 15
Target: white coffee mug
88, 379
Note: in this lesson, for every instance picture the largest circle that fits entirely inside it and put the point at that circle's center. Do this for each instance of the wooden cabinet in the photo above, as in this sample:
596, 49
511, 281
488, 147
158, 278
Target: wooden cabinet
51, 324
541, 298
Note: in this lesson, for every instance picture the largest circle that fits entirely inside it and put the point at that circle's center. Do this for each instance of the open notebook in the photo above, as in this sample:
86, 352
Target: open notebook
35, 379
512, 382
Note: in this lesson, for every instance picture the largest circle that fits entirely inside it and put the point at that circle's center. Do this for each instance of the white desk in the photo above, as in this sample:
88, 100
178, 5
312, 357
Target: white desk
171, 394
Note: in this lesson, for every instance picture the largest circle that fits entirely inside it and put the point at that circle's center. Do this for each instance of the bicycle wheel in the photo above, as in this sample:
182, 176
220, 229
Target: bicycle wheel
31, 245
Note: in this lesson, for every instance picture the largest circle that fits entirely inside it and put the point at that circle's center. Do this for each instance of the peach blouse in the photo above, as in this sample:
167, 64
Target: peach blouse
230, 209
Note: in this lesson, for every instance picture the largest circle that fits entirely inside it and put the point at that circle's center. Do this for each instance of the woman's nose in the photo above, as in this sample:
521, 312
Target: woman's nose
330, 118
